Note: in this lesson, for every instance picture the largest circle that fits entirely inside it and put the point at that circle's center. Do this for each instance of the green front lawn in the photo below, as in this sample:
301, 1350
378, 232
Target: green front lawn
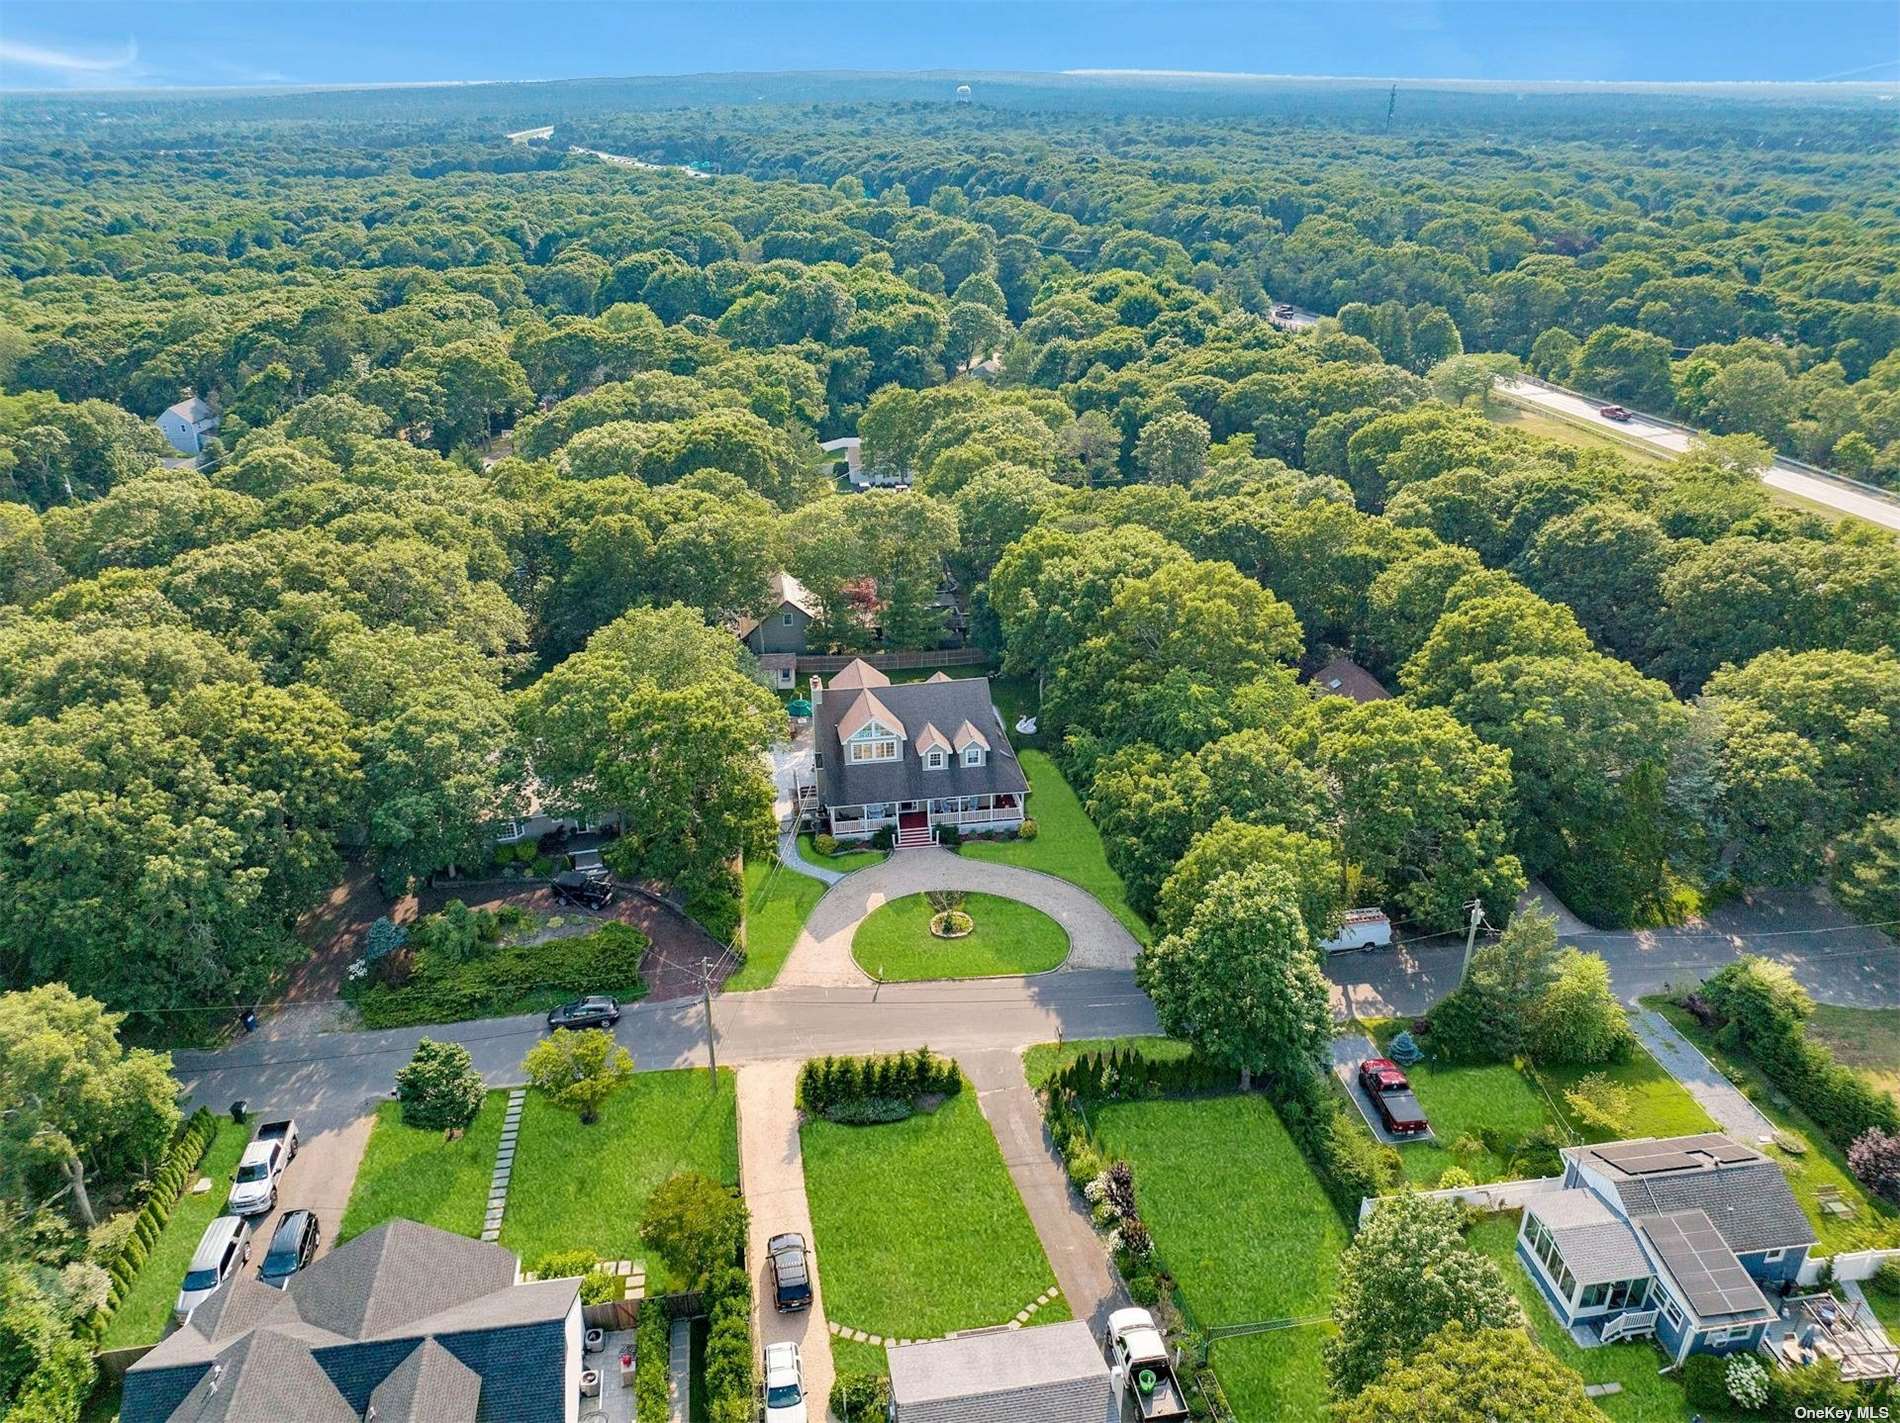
1659, 1105
1044, 1060
1248, 1234
1822, 1164
1067, 844
147, 1306
844, 861
585, 1187
1465, 1100
411, 1174
894, 943
919, 1228
777, 903
1647, 1397
1864, 1038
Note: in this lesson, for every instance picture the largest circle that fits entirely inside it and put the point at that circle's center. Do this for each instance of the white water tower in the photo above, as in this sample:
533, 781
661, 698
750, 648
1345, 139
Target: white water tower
963, 93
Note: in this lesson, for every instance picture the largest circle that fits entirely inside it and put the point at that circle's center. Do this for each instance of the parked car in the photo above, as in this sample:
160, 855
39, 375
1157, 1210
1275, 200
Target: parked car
1283, 309
1614, 412
221, 1253
594, 1011
1142, 1369
582, 890
292, 1246
271, 1150
1392, 1096
590, 864
791, 1272
784, 1384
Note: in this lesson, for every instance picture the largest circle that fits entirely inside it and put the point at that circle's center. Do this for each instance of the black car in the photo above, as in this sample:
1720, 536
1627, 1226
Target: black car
594, 1011
292, 1246
584, 890
791, 1272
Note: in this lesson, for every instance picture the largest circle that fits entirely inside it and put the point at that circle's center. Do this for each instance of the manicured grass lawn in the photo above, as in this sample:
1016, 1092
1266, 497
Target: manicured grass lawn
417, 1175
1822, 1164
777, 902
1044, 1060
1866, 1038
1886, 1307
894, 943
1242, 1224
147, 1306
1465, 1100
1659, 1105
585, 1187
1647, 1397
919, 1227
1067, 844
844, 861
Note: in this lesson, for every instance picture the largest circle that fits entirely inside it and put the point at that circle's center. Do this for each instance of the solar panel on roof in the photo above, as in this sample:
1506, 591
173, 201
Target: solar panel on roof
1703, 1265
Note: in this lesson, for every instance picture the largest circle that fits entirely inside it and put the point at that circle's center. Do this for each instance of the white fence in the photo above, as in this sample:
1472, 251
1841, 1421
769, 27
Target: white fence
1497, 1196
1850, 1265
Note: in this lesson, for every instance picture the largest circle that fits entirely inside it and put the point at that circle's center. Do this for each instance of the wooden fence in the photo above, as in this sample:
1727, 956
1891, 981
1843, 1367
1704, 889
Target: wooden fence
824, 664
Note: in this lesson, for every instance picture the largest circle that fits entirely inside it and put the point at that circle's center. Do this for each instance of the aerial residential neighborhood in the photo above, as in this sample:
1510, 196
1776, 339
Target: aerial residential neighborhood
907, 721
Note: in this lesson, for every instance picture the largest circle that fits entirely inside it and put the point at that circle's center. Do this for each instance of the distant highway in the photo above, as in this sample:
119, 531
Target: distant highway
1666, 438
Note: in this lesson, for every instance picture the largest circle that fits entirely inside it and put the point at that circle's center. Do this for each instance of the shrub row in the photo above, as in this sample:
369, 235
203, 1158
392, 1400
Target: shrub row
861, 1398
1349, 1163
166, 1186
651, 1351
729, 1375
57, 1388
1763, 1012
607, 960
875, 1089
1109, 1189
1131, 1074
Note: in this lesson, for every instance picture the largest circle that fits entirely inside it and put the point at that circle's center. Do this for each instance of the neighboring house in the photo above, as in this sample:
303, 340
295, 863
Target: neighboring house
403, 1324
1342, 677
1683, 1238
186, 424
532, 819
1053, 1374
912, 756
849, 449
781, 627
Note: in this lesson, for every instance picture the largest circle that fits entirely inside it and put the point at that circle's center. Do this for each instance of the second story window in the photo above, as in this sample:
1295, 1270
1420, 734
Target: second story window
874, 750
933, 761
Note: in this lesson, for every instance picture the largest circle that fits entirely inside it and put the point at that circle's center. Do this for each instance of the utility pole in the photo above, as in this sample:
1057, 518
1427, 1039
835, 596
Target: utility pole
1476, 910
712, 1046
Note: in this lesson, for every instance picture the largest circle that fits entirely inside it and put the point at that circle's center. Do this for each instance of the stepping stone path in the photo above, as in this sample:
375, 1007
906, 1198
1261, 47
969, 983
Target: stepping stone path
635, 1276
504, 1165
1023, 1316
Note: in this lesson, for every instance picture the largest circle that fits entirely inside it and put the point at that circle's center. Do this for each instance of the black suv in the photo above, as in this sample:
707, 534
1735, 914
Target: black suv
595, 1011
791, 1272
292, 1246
584, 890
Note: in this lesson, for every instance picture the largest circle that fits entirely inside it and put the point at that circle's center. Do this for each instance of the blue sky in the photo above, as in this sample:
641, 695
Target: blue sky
111, 44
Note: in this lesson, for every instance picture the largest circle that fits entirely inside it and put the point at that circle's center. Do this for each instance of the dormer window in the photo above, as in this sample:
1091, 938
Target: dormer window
973, 755
879, 750
934, 761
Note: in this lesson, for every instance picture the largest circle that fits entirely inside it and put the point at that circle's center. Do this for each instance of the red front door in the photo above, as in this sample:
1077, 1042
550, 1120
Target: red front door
913, 820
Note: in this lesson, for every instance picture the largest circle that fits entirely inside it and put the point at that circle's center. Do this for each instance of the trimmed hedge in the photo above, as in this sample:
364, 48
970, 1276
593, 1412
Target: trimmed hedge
652, 1344
884, 1088
1764, 1014
167, 1185
499, 979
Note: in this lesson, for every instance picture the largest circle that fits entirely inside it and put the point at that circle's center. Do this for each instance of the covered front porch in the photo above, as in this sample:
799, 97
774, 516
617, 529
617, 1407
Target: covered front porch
1002, 811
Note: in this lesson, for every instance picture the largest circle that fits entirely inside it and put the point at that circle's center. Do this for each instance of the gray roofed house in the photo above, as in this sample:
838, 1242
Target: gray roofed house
1684, 1238
405, 1319
186, 424
781, 626
913, 755
1051, 1374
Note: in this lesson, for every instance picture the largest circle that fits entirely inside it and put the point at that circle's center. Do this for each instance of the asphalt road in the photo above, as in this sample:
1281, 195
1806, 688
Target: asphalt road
1669, 439
326, 1078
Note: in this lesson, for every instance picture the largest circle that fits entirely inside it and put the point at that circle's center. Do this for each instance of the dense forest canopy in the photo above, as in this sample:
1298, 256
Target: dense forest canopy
511, 434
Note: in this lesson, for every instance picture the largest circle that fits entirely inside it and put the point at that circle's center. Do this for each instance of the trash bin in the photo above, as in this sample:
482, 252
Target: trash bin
240, 1109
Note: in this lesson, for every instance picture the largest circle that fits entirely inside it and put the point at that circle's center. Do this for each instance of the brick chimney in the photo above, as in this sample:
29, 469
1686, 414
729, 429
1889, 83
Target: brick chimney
817, 690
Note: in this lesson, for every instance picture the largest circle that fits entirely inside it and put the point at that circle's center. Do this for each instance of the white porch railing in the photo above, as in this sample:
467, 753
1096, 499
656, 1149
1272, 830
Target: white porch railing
976, 817
1630, 1324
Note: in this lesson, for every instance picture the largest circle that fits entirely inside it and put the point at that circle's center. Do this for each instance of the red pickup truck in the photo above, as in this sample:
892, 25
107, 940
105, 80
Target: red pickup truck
1392, 1095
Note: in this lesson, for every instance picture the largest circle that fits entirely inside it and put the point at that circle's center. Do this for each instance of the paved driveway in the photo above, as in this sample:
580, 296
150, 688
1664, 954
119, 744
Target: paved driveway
822, 956
774, 1170
1716, 1095
320, 1179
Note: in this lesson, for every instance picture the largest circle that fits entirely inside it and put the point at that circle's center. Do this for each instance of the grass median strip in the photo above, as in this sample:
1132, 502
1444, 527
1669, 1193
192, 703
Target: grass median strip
894, 943
412, 1174
777, 903
148, 1304
919, 1228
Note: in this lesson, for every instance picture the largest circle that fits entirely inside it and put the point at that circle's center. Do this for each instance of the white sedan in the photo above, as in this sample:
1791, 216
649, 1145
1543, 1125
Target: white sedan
784, 1384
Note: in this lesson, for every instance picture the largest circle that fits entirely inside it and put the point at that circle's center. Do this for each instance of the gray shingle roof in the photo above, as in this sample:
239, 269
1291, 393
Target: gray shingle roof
430, 1384
394, 1275
192, 410
1744, 1195
1052, 1374
1595, 1244
264, 1375
945, 705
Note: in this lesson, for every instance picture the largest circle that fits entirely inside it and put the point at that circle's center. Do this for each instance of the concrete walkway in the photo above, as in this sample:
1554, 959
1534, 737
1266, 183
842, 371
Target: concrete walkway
789, 857
1719, 1097
773, 1168
679, 1372
822, 956
1077, 1256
